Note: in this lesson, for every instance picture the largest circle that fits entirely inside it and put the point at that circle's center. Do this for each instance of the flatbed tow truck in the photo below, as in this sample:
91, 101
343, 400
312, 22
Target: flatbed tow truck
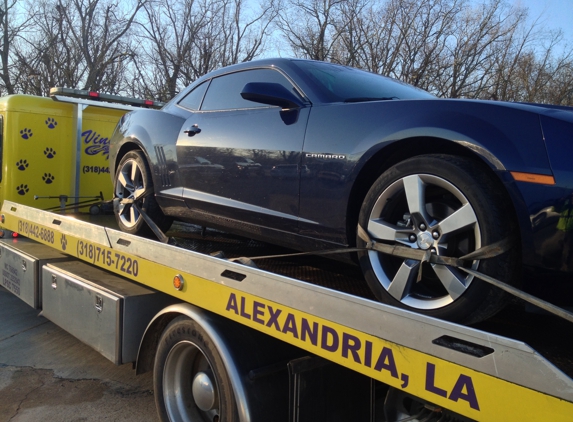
229, 341
293, 338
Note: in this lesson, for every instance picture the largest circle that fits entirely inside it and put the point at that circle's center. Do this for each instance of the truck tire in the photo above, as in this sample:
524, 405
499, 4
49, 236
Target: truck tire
189, 377
451, 206
132, 178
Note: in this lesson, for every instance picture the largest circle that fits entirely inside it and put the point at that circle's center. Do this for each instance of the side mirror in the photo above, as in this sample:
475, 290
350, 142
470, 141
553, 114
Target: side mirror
271, 94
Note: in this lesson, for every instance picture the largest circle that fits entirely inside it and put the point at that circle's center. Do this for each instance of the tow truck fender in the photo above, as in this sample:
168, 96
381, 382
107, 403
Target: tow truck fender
255, 363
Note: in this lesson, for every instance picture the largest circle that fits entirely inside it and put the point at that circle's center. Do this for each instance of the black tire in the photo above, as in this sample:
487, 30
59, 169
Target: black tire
401, 406
186, 359
132, 178
438, 187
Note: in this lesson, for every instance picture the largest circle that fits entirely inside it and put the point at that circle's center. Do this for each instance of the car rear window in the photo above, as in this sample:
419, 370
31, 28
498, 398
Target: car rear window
193, 99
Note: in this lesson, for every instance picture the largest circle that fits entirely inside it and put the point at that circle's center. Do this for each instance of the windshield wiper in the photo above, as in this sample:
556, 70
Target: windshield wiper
364, 99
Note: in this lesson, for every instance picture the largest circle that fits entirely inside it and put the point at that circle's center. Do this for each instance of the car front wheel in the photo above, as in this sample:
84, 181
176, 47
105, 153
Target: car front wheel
447, 205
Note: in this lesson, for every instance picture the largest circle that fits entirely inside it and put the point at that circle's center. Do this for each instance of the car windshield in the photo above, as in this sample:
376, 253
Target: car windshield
336, 83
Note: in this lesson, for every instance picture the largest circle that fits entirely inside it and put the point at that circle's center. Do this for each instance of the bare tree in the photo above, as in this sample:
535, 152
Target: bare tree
478, 33
14, 23
543, 77
310, 27
185, 39
405, 39
561, 88
236, 33
422, 51
169, 29
99, 29
453, 48
374, 44
243, 32
48, 55
351, 38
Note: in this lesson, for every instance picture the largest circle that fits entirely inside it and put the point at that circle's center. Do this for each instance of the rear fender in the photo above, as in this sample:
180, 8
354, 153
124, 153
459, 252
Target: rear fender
157, 141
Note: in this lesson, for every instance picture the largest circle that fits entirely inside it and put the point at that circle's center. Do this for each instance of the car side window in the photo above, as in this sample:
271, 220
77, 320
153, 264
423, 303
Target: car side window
193, 99
224, 93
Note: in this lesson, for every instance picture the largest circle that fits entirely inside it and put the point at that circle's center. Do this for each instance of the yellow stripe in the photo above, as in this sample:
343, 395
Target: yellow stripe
466, 391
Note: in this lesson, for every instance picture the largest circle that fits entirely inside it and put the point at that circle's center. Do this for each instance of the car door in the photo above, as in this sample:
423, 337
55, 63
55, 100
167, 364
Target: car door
249, 151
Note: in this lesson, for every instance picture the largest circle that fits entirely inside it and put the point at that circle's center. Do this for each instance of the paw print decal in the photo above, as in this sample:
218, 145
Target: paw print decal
26, 133
49, 152
51, 123
48, 178
22, 165
64, 242
22, 189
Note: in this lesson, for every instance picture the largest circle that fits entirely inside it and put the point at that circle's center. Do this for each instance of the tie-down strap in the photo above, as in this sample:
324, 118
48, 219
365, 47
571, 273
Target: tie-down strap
400, 251
484, 252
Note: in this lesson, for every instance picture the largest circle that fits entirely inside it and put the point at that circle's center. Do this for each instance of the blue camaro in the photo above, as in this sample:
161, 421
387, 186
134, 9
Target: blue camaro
300, 153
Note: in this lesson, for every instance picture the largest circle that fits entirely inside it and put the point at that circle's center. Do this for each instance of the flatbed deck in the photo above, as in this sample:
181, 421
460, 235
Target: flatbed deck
479, 374
551, 336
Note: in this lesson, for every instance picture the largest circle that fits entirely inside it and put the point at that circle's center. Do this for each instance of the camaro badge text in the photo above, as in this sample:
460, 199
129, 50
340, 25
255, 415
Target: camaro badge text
326, 156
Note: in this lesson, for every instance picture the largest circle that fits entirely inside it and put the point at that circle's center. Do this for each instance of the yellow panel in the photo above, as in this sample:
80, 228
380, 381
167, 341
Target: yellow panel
98, 126
39, 146
37, 159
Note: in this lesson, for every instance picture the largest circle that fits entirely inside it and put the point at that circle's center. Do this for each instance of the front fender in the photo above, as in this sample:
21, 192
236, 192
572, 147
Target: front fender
368, 136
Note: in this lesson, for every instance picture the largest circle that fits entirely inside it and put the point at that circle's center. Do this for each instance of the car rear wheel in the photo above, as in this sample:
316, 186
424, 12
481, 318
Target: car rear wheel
448, 205
133, 183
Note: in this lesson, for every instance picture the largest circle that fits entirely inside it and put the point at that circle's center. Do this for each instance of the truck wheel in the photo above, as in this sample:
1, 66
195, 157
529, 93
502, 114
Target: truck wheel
190, 379
446, 204
400, 406
132, 179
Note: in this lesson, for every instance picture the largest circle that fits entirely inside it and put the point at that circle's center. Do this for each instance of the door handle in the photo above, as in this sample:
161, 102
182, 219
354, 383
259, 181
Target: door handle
193, 131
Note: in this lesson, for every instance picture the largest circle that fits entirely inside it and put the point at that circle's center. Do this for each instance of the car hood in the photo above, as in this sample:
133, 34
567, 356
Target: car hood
550, 110
550, 106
